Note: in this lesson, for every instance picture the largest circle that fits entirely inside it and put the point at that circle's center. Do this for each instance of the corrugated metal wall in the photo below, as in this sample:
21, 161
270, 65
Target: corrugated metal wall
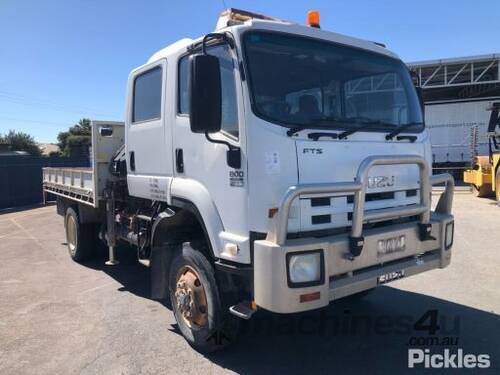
21, 177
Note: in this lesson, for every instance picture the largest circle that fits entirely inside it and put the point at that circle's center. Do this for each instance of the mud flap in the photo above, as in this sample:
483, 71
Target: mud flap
161, 258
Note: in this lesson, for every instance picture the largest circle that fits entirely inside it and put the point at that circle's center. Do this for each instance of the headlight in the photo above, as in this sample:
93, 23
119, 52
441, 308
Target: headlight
305, 268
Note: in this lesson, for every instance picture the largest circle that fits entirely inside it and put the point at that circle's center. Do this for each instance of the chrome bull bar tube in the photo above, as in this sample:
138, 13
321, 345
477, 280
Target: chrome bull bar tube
359, 198
445, 203
358, 187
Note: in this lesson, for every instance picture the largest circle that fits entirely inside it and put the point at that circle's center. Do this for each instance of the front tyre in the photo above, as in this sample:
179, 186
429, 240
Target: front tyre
197, 304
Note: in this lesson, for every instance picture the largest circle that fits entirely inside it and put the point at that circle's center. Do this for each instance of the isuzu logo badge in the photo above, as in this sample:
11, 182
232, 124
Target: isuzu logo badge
380, 181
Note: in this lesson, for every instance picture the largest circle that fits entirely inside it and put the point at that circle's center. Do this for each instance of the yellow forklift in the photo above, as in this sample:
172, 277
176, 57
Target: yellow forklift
485, 173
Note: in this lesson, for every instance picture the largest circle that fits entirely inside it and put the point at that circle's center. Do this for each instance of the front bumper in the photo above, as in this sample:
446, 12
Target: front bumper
345, 274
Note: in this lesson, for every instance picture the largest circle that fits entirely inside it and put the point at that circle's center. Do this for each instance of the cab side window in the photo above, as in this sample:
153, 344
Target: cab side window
229, 107
183, 94
147, 96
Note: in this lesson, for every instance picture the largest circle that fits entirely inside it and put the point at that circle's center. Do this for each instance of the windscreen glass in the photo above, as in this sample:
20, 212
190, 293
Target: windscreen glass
308, 82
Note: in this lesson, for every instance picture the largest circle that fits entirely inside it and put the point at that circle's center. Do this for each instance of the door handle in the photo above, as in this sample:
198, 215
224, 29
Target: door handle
179, 160
132, 160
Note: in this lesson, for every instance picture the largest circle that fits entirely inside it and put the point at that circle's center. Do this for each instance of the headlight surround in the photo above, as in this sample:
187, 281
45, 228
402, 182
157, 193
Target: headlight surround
305, 268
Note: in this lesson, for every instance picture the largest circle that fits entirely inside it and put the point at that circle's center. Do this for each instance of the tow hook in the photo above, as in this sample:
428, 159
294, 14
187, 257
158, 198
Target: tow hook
424, 231
355, 246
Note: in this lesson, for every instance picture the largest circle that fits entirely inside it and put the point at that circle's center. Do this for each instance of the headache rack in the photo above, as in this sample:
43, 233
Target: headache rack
233, 16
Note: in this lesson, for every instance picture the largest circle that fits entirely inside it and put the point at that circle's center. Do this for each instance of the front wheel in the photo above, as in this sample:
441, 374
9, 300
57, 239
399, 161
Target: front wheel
197, 304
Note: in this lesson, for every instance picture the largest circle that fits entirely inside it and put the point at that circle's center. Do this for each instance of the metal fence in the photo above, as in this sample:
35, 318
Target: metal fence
21, 177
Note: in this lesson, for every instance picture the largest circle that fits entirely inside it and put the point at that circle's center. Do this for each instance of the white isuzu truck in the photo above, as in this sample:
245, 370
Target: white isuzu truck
266, 165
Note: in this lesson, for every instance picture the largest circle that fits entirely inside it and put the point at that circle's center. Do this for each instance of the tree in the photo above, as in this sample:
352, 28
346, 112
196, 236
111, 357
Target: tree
20, 141
55, 153
76, 140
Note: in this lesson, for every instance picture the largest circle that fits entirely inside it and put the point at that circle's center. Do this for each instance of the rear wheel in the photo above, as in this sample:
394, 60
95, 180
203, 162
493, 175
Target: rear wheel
80, 238
197, 303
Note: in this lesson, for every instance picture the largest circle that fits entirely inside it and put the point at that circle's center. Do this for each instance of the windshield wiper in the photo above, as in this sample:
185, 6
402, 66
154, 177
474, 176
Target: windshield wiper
296, 129
400, 129
318, 122
363, 124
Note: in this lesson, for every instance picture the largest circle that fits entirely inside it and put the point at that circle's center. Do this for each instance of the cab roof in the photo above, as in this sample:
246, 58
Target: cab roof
234, 20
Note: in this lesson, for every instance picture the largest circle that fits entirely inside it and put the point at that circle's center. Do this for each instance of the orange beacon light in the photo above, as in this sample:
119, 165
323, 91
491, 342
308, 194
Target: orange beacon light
313, 18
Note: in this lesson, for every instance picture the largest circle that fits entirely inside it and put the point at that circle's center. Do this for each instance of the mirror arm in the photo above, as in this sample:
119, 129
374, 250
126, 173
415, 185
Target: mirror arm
224, 37
233, 154
220, 142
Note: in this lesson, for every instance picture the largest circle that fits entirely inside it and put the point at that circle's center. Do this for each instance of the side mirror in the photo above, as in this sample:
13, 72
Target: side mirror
205, 95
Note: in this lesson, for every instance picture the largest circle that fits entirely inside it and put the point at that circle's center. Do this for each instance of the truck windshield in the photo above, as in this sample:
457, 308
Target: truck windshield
298, 81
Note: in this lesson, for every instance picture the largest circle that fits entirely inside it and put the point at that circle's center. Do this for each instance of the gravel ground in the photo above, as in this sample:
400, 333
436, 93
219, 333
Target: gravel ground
59, 317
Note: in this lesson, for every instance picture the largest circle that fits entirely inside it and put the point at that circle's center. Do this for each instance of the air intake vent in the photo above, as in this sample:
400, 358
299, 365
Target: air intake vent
321, 219
318, 202
379, 196
411, 193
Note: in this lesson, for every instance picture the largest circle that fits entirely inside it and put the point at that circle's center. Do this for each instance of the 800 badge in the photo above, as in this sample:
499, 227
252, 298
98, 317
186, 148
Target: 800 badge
236, 178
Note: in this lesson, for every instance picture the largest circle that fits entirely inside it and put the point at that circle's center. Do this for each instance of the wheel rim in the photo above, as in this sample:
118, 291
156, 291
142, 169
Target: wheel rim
190, 298
71, 233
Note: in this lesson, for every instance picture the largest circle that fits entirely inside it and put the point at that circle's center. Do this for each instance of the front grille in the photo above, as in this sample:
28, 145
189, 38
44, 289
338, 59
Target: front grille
328, 212
318, 202
318, 233
379, 196
411, 193
321, 219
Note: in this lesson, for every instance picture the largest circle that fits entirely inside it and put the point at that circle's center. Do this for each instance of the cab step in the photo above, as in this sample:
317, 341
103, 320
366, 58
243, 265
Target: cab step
242, 310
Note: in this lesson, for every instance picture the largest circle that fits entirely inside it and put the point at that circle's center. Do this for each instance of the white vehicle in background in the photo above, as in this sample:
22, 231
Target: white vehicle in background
458, 131
458, 93
265, 165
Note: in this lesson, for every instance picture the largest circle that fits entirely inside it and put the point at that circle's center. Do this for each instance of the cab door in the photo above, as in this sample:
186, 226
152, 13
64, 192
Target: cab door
148, 141
205, 163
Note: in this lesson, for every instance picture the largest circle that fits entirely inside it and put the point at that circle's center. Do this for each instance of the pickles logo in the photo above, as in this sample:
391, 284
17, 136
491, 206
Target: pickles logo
448, 359
440, 336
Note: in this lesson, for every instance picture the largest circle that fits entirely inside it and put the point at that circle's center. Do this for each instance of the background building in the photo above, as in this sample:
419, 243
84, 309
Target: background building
457, 93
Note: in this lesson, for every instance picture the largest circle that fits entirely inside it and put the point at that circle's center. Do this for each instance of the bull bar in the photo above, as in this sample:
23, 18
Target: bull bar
278, 233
